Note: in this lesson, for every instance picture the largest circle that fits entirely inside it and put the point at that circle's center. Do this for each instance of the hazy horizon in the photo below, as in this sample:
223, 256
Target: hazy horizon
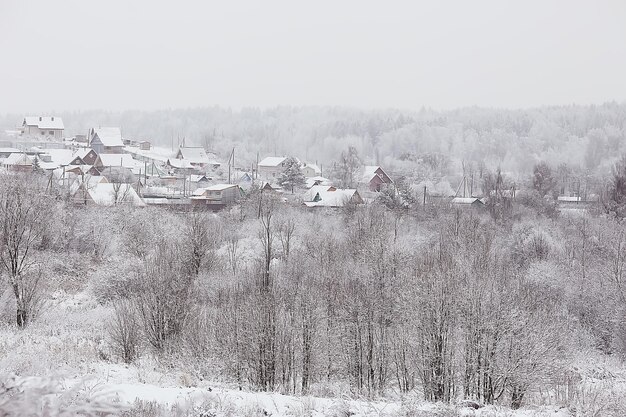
77, 56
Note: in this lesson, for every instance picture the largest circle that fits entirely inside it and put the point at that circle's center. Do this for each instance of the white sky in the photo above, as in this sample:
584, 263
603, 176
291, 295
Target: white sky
149, 54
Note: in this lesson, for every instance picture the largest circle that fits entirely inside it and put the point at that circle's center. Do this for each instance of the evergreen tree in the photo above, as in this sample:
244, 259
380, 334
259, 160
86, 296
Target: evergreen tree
543, 179
292, 177
36, 166
615, 200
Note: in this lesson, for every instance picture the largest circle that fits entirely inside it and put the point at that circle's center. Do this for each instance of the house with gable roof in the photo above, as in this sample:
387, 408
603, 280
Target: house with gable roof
103, 193
197, 156
106, 140
271, 167
18, 162
216, 196
311, 170
373, 178
49, 127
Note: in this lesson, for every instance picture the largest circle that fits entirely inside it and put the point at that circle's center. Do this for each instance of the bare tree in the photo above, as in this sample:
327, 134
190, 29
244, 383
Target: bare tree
125, 330
23, 211
200, 237
163, 299
266, 372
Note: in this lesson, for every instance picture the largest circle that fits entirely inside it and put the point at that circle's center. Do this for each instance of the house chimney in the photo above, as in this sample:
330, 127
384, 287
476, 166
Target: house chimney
40, 118
52, 118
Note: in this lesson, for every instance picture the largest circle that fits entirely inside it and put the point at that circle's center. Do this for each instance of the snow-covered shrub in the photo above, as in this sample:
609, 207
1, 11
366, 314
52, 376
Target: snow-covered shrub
48, 397
531, 243
125, 331
598, 398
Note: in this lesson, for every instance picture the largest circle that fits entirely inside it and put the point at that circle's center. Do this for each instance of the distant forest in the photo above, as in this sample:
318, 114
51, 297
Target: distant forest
419, 144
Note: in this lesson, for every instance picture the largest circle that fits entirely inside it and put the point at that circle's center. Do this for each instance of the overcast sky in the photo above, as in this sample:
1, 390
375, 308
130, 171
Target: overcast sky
147, 54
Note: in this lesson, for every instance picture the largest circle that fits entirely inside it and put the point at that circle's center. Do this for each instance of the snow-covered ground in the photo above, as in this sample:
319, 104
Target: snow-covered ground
66, 344
117, 386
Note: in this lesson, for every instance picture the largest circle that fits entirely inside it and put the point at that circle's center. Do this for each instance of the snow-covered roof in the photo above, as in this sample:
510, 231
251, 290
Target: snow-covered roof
62, 156
312, 181
44, 122
272, 161
109, 136
465, 200
18, 159
179, 163
103, 194
90, 181
215, 187
116, 160
48, 166
311, 192
220, 187
196, 155
369, 172
569, 199
197, 178
335, 198
83, 152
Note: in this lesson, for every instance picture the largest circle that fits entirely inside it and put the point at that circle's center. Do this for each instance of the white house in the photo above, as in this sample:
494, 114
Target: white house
197, 157
311, 170
106, 140
271, 167
48, 127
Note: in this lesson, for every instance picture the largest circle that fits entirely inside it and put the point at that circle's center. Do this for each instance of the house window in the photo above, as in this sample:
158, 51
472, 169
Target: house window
52, 132
43, 133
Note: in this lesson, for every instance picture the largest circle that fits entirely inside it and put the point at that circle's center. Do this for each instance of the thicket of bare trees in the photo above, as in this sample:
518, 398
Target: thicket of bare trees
449, 303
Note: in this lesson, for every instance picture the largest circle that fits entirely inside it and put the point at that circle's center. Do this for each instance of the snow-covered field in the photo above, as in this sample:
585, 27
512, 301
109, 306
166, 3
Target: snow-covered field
115, 385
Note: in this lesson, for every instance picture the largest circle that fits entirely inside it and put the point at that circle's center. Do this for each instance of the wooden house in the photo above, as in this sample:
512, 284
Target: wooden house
373, 178
216, 196
106, 140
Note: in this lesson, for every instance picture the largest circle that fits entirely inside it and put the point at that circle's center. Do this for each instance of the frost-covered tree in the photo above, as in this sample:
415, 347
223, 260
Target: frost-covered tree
348, 167
163, 294
292, 176
24, 209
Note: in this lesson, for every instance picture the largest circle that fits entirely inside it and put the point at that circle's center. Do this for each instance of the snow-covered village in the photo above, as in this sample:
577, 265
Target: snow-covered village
355, 208
103, 168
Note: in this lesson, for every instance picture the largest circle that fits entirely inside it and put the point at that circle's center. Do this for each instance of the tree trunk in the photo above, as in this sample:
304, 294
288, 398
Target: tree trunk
22, 317
517, 396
